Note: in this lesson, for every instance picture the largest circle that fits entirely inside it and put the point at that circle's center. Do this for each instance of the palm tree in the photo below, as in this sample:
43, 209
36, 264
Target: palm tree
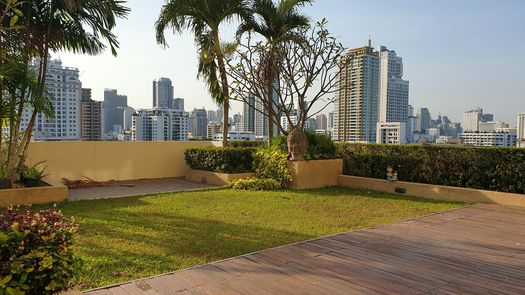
80, 26
203, 19
277, 23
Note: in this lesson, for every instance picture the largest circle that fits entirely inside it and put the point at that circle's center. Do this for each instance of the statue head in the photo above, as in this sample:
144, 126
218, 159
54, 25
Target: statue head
297, 144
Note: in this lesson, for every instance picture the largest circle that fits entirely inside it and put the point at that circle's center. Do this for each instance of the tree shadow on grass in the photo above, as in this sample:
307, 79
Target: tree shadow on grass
133, 245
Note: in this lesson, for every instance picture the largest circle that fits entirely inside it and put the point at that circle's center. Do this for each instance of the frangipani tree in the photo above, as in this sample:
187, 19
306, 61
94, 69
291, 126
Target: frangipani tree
307, 84
278, 23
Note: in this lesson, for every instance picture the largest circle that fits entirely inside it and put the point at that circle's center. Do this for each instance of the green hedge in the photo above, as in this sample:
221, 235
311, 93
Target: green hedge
222, 160
320, 146
248, 143
498, 169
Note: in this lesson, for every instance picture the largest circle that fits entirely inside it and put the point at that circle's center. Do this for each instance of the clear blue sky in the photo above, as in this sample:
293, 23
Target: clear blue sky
458, 54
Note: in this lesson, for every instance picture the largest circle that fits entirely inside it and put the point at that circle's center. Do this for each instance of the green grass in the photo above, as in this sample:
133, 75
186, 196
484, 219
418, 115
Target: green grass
129, 238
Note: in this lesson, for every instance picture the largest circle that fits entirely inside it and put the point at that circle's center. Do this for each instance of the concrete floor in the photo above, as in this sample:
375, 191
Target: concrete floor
130, 188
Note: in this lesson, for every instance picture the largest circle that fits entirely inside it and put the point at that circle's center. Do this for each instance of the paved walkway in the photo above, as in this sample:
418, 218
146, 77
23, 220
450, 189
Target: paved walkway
136, 188
474, 250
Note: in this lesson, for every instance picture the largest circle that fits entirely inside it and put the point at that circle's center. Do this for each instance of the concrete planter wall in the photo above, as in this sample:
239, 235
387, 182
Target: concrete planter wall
435, 192
214, 178
54, 193
315, 173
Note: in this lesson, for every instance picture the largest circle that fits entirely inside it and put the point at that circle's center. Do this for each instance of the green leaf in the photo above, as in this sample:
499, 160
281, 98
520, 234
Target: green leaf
23, 278
13, 21
6, 279
18, 12
3, 237
11, 291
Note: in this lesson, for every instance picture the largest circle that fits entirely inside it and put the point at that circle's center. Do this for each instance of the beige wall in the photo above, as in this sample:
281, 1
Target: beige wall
435, 192
315, 174
112, 160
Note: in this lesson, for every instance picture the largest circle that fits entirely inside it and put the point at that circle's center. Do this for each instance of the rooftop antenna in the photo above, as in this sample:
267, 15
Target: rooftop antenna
369, 41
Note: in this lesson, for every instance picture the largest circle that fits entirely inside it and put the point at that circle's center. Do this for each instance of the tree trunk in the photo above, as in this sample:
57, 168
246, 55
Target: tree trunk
225, 90
270, 111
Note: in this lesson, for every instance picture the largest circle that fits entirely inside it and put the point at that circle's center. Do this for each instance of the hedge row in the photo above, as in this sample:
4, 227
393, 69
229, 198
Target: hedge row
498, 169
222, 160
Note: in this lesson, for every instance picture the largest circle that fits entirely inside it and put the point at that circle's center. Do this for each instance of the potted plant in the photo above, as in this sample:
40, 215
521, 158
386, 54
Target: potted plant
32, 176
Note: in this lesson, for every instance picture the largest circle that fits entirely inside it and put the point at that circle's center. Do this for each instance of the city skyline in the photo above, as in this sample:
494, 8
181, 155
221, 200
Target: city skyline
450, 64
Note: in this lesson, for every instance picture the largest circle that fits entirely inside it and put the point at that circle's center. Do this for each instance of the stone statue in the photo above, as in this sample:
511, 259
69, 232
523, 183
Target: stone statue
297, 144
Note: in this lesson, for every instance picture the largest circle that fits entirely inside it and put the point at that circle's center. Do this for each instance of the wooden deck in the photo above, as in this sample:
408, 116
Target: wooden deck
474, 250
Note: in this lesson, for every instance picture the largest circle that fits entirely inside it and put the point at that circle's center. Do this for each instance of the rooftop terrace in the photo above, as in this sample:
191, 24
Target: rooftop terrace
473, 250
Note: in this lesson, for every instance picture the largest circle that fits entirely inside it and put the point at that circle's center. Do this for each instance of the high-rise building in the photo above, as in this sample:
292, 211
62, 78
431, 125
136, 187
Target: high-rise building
213, 128
248, 115
471, 120
393, 90
199, 123
212, 116
160, 125
162, 93
114, 108
86, 94
261, 120
424, 119
176, 104
487, 117
331, 120
521, 129
357, 105
322, 122
90, 117
63, 85
491, 126
501, 139
391, 133
311, 124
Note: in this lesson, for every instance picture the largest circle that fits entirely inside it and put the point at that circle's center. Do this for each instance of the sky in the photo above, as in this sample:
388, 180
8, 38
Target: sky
457, 54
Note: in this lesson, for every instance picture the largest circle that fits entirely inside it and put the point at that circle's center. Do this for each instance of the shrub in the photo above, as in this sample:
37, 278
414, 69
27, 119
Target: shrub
248, 143
498, 169
255, 184
36, 171
36, 254
320, 146
272, 164
222, 160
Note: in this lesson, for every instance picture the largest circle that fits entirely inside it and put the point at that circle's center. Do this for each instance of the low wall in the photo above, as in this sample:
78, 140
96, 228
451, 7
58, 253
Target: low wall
108, 160
54, 193
315, 173
435, 192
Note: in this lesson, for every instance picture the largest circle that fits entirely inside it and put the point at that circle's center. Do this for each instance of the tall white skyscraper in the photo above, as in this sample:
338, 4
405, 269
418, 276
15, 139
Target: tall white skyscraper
160, 125
521, 127
162, 93
63, 85
393, 93
357, 106
261, 120
471, 120
371, 90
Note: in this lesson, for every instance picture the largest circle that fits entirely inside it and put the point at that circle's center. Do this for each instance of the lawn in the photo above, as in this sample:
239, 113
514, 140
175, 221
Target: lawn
129, 238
